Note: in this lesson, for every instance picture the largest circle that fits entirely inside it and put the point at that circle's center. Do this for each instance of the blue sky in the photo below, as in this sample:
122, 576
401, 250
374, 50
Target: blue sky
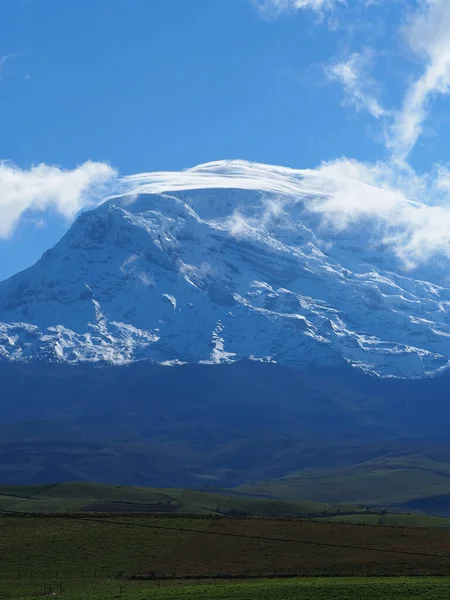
150, 85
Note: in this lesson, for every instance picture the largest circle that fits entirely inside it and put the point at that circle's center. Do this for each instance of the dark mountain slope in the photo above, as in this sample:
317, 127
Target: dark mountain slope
196, 424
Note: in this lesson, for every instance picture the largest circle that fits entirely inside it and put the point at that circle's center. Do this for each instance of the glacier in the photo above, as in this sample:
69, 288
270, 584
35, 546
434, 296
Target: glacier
224, 262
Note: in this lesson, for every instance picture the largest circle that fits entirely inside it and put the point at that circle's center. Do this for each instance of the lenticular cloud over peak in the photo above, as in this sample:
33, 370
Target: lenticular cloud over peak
233, 174
410, 214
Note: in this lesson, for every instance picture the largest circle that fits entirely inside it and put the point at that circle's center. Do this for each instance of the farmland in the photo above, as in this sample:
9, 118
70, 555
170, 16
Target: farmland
97, 542
80, 556
177, 547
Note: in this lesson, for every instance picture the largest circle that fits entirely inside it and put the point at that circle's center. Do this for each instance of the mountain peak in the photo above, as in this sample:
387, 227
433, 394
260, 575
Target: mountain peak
220, 263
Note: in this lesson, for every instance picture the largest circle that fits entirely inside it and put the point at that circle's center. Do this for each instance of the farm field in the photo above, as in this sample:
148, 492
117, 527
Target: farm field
46, 548
304, 589
135, 557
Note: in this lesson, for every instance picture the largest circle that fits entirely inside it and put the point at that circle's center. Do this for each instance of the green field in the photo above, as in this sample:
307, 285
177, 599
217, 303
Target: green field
295, 589
91, 497
392, 520
109, 499
389, 481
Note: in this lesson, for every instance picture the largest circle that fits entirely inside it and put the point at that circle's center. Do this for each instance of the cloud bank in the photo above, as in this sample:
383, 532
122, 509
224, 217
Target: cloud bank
408, 213
45, 187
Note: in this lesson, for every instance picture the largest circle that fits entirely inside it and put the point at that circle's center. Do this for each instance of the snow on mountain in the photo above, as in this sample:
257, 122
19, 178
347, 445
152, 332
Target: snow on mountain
226, 261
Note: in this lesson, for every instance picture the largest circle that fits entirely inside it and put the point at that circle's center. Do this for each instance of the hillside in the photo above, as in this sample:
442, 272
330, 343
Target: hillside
219, 425
88, 497
82, 497
390, 480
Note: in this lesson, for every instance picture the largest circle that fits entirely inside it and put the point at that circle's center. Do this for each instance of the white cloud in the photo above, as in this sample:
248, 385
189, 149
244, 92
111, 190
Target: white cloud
45, 187
406, 212
278, 7
428, 35
359, 88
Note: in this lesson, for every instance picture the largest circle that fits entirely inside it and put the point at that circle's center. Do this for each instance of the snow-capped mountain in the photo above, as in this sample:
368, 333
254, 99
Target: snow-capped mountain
220, 263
